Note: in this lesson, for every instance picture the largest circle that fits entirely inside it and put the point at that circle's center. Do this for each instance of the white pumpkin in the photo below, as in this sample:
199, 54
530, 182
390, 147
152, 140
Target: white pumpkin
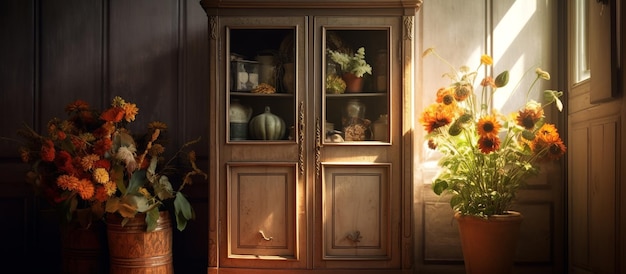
267, 126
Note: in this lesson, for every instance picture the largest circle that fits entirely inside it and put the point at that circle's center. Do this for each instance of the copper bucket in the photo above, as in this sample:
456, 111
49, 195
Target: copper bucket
133, 250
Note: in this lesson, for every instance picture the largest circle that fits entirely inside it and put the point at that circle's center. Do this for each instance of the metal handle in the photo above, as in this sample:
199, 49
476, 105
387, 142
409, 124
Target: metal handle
318, 146
265, 237
301, 127
355, 237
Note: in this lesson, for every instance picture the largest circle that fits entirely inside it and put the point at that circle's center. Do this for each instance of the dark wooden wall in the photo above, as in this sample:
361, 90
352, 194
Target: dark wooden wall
150, 52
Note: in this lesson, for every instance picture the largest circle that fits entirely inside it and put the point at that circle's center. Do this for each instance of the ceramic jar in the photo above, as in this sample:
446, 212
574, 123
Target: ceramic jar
380, 128
238, 117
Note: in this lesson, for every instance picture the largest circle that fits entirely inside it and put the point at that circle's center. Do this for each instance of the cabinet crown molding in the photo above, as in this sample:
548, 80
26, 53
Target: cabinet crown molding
308, 4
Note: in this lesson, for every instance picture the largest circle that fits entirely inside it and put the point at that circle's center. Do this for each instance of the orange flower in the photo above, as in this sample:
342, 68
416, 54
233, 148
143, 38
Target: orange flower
100, 194
130, 110
47, 151
67, 182
102, 146
436, 116
102, 163
78, 105
488, 82
488, 126
114, 114
488, 144
85, 189
63, 161
549, 142
445, 96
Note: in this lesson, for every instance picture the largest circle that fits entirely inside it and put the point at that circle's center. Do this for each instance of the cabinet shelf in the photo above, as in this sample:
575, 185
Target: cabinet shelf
357, 95
249, 94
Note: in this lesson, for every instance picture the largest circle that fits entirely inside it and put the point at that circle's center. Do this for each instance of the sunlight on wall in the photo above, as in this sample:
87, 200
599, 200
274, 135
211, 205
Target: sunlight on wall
506, 34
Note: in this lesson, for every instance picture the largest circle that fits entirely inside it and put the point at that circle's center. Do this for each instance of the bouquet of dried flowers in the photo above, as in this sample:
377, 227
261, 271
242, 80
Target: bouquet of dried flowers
91, 160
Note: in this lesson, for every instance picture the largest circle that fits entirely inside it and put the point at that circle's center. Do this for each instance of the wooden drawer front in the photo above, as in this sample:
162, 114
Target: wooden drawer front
262, 210
355, 211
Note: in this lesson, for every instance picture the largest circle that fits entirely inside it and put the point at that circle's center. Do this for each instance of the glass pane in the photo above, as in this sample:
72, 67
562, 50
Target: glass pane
356, 85
581, 34
261, 85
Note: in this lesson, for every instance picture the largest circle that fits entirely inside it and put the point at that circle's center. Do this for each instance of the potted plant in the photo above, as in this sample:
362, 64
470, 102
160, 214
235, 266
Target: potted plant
487, 156
353, 67
91, 163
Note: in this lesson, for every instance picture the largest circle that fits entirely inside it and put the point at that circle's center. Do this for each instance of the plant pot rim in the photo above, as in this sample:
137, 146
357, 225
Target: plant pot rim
508, 216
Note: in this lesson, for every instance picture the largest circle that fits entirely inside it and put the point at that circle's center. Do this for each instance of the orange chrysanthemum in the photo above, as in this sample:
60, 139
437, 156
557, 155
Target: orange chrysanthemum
100, 194
488, 144
88, 160
67, 182
436, 116
488, 126
85, 189
130, 111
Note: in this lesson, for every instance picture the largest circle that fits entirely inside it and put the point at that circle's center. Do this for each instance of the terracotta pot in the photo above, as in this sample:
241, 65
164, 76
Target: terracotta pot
489, 244
353, 84
134, 251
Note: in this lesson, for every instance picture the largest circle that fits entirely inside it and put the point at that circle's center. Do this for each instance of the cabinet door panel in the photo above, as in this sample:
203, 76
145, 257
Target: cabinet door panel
356, 211
262, 210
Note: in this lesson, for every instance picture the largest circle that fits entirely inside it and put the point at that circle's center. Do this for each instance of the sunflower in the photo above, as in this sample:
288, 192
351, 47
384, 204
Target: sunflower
488, 144
529, 115
488, 126
436, 116
445, 96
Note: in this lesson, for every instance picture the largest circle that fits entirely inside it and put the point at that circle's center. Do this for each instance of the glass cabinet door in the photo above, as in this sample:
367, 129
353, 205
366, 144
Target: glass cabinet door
356, 87
262, 83
359, 153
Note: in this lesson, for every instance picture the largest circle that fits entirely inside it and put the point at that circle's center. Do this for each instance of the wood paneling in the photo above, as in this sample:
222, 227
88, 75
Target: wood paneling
152, 53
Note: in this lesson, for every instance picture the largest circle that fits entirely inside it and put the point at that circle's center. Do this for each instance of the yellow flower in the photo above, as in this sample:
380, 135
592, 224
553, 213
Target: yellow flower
486, 59
101, 175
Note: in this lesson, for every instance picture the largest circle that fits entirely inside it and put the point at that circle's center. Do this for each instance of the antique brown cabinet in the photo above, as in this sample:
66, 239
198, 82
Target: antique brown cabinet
304, 176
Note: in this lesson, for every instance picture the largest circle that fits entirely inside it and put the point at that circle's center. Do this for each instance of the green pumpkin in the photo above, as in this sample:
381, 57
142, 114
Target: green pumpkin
267, 126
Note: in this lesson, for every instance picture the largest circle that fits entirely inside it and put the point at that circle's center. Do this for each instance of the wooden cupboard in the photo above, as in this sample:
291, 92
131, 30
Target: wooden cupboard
323, 183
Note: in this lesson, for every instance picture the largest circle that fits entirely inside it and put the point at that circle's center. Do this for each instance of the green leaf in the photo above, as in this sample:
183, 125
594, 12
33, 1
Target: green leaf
439, 186
183, 210
137, 180
502, 79
152, 217
163, 188
528, 135
455, 201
